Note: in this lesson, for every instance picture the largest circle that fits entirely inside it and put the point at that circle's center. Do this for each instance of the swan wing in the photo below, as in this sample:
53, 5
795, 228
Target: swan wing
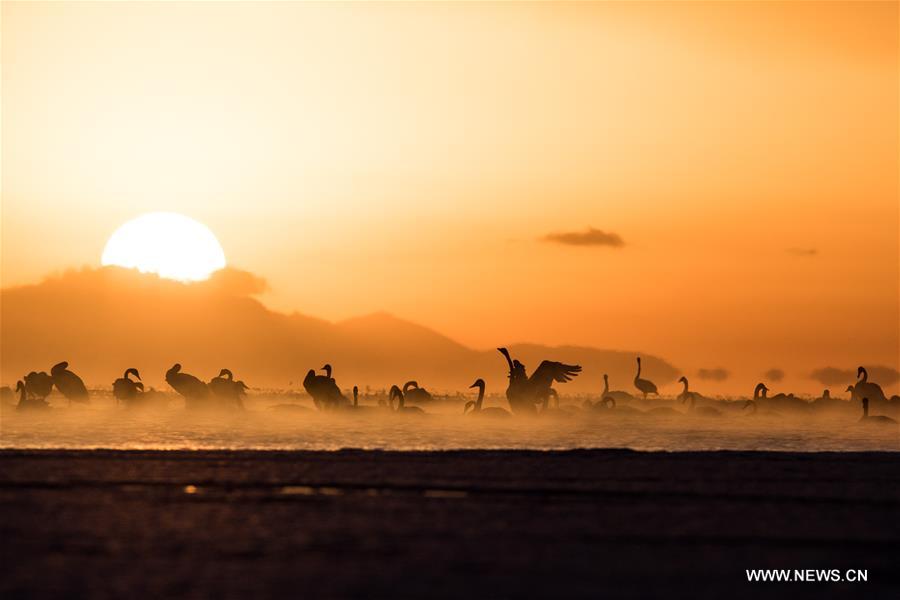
550, 371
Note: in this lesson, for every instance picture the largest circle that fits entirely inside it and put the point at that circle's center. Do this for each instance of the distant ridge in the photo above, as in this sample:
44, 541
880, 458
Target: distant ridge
102, 320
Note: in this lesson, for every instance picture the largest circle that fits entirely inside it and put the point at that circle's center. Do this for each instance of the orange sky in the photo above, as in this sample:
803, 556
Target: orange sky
411, 157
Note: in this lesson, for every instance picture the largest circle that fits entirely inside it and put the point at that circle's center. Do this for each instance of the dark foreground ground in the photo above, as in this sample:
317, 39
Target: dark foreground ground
444, 524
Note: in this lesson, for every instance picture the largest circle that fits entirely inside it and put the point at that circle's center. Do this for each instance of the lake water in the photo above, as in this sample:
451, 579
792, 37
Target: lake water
103, 425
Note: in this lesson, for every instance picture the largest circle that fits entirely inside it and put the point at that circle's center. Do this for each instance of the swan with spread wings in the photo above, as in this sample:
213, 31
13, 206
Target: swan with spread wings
525, 392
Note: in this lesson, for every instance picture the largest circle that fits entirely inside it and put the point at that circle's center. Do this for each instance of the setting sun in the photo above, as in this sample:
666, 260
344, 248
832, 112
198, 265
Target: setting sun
169, 244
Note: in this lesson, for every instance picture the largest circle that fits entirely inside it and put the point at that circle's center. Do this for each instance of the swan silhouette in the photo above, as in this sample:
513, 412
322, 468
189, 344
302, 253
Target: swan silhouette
685, 394
323, 389
413, 393
402, 409
645, 386
608, 405
551, 408
239, 393
26, 403
605, 404
524, 392
605, 396
759, 394
355, 406
69, 384
875, 420
702, 411
867, 388
222, 384
194, 391
618, 395
786, 402
38, 384
225, 388
125, 389
476, 405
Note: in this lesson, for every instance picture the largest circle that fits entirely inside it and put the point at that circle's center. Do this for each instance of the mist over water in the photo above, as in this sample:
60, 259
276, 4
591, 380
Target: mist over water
104, 425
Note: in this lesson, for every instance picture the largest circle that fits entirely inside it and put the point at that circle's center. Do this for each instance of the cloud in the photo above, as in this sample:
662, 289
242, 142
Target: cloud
806, 252
774, 375
589, 237
237, 283
834, 376
717, 374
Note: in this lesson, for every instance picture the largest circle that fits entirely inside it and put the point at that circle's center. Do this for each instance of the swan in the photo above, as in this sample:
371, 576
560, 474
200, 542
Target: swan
70, 384
476, 405
222, 384
194, 391
524, 392
414, 393
225, 388
685, 395
397, 393
26, 403
703, 411
587, 404
125, 389
355, 407
644, 385
239, 392
876, 420
39, 384
548, 409
618, 395
607, 405
786, 402
867, 388
324, 390
759, 393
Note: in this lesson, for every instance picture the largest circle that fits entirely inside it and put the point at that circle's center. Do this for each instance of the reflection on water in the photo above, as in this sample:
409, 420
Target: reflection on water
103, 425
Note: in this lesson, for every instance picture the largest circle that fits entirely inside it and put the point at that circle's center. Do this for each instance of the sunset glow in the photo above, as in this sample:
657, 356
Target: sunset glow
737, 163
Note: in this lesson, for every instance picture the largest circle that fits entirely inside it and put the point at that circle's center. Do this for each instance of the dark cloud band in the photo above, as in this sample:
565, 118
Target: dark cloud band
589, 237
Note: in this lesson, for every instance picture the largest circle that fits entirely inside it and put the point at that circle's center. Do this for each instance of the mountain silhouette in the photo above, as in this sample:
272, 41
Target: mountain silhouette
103, 320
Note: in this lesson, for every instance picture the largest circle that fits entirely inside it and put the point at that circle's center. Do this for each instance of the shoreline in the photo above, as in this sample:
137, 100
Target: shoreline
444, 524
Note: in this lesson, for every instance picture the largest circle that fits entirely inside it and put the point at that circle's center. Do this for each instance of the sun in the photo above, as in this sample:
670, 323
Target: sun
169, 244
